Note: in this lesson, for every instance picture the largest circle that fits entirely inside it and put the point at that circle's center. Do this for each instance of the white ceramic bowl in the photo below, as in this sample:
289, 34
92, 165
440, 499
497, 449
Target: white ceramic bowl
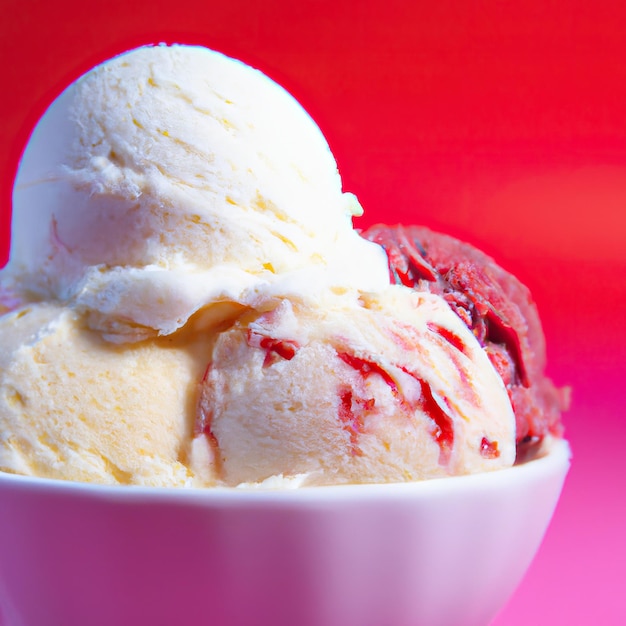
443, 552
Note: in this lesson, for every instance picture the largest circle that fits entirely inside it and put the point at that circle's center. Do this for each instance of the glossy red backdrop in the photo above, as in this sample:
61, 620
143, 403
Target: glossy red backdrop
502, 123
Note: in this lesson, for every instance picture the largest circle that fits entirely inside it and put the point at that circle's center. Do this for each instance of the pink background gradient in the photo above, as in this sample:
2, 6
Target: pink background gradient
501, 124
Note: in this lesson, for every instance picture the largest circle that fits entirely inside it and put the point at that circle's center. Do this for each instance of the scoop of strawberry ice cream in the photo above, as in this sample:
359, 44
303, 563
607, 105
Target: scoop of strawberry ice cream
496, 307
366, 388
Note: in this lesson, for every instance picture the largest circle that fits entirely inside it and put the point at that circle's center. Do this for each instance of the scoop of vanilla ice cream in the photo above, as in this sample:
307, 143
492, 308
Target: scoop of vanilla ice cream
372, 388
171, 178
75, 407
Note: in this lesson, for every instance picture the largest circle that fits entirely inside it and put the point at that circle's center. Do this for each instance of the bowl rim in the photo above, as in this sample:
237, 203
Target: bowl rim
554, 463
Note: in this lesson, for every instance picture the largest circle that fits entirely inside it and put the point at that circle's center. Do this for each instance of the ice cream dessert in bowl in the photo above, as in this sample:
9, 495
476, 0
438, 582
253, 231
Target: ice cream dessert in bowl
220, 403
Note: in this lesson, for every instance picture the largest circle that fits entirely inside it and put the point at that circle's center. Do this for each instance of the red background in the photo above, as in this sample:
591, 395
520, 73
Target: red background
503, 123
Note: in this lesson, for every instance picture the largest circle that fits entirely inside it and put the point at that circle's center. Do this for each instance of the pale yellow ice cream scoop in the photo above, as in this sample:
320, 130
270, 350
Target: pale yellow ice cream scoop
172, 178
75, 407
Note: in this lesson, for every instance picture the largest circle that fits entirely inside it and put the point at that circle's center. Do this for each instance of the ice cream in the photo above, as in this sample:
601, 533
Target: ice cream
496, 307
380, 388
74, 406
188, 304
173, 178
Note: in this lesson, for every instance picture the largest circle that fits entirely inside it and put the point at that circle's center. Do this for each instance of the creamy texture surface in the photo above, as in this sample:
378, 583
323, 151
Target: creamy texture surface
173, 178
